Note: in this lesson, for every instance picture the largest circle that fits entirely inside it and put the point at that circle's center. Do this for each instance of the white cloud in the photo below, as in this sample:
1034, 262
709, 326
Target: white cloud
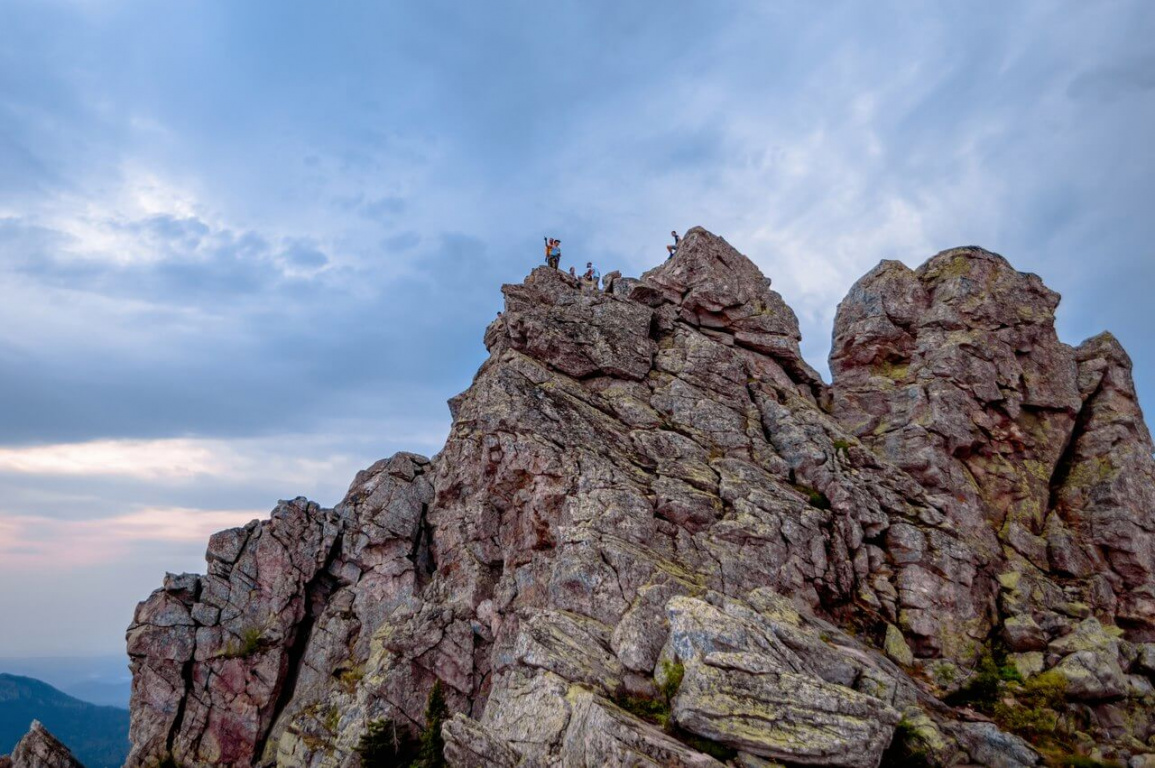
283, 459
30, 542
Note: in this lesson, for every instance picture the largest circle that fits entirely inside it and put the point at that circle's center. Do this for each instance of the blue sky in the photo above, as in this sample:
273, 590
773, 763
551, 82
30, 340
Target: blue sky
248, 248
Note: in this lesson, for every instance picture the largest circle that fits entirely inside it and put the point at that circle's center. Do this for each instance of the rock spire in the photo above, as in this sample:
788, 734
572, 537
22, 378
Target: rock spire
655, 536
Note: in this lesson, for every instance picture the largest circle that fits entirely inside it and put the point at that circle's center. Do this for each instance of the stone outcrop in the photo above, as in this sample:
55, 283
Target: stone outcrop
655, 537
39, 749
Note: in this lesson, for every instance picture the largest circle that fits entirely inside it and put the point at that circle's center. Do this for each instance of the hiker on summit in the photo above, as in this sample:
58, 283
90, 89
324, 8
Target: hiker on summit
673, 249
552, 252
592, 276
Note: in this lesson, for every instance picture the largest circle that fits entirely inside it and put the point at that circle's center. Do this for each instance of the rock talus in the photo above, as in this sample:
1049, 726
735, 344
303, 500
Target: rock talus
655, 537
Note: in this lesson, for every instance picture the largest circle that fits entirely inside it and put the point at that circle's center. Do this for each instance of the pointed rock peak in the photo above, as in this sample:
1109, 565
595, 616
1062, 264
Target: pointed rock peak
887, 269
717, 288
709, 273
891, 290
1104, 346
40, 749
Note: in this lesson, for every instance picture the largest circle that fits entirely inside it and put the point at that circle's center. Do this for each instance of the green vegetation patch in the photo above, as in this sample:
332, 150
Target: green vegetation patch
387, 745
673, 671
981, 691
432, 754
250, 642
348, 678
1032, 708
814, 497
656, 710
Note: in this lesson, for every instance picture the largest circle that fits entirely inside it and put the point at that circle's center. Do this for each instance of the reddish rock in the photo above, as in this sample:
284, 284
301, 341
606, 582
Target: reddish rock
649, 479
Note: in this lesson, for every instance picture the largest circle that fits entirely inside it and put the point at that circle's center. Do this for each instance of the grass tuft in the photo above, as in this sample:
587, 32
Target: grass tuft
250, 642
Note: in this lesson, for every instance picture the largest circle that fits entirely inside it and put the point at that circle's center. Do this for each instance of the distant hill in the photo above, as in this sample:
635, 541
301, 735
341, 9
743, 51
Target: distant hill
97, 692
98, 736
101, 679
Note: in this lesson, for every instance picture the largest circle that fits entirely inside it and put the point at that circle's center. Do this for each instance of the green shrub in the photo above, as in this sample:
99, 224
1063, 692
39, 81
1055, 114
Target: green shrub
1031, 722
944, 673
385, 745
1033, 710
1010, 673
842, 446
1048, 689
249, 643
981, 691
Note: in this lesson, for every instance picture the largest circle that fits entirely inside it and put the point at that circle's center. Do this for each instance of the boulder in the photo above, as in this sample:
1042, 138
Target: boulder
747, 702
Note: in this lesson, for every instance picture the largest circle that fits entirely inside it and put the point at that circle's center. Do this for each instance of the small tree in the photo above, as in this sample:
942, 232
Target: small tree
384, 745
432, 754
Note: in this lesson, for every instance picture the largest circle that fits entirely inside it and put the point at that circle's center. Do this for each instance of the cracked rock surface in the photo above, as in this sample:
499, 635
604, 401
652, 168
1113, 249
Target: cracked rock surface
655, 537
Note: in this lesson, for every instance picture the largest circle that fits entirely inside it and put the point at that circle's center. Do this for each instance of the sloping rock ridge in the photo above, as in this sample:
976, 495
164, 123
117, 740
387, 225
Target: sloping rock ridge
39, 749
655, 537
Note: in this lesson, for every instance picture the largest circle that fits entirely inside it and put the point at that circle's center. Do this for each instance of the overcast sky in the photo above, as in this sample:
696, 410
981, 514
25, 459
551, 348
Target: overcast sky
247, 248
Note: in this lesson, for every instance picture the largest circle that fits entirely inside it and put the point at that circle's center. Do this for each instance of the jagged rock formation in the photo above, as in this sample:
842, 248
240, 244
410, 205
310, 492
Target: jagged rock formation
39, 749
656, 537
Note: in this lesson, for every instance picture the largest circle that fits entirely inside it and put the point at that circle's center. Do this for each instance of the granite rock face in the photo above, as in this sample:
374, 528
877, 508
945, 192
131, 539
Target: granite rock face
655, 537
39, 749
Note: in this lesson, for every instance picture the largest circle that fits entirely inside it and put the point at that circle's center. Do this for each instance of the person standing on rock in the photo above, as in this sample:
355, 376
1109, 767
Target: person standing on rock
592, 276
552, 252
673, 249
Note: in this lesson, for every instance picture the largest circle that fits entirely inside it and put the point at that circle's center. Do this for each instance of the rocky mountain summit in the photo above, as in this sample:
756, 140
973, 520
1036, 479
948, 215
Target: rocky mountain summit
655, 537
39, 749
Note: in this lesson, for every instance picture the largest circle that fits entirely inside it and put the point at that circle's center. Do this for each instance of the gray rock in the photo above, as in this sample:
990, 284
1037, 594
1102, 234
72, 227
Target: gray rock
748, 702
1092, 676
40, 749
468, 745
1022, 634
988, 746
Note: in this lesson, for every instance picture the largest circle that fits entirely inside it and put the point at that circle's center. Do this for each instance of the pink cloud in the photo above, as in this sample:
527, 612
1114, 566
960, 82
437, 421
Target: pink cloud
30, 541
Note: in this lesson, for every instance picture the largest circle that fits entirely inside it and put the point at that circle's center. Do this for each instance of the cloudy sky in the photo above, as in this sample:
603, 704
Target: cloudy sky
248, 248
